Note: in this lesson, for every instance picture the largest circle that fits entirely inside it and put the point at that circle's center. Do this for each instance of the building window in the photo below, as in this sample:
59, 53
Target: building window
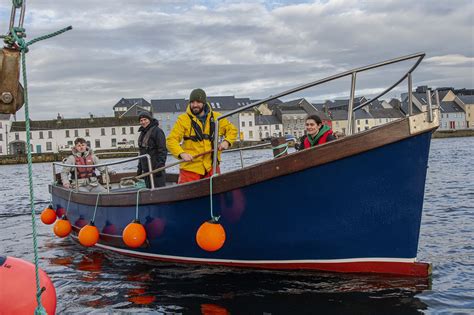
69, 144
277, 127
67, 133
250, 124
102, 131
358, 128
97, 143
41, 135
50, 134
358, 121
1, 149
49, 146
243, 124
266, 127
17, 136
114, 142
87, 132
366, 121
31, 135
1, 125
251, 134
76, 133
124, 131
1, 136
131, 131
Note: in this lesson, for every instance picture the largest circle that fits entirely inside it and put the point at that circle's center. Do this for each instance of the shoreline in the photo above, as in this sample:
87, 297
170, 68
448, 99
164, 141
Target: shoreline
123, 153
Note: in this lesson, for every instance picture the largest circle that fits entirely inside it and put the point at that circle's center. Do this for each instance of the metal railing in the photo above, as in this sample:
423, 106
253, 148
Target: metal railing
353, 73
106, 165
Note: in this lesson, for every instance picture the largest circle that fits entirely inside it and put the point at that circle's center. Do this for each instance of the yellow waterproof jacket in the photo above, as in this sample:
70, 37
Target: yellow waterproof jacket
183, 128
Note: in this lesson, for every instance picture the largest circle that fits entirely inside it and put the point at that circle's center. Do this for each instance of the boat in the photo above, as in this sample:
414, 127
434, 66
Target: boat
353, 205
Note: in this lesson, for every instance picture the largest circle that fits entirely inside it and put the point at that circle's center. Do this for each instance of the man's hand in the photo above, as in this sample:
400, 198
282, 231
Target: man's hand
224, 145
186, 157
67, 185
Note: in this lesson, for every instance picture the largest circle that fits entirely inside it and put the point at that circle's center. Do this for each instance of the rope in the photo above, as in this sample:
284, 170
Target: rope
213, 218
138, 194
283, 145
68, 200
18, 34
95, 210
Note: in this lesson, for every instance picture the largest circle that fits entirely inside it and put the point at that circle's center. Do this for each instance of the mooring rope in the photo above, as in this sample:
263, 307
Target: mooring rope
18, 34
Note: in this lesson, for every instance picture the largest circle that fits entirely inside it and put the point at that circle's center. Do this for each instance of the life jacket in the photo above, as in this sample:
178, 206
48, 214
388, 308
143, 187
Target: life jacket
85, 172
200, 135
321, 140
143, 143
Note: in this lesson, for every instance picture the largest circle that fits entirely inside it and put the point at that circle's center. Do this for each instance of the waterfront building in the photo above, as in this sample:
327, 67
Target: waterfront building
468, 102
125, 104
4, 129
52, 136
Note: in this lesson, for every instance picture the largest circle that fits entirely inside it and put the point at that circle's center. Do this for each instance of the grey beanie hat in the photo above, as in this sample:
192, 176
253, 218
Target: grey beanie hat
146, 115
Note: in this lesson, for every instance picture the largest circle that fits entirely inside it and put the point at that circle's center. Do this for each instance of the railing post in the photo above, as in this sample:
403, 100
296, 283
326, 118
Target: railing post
430, 109
76, 179
410, 95
350, 125
54, 174
240, 143
107, 179
216, 140
152, 178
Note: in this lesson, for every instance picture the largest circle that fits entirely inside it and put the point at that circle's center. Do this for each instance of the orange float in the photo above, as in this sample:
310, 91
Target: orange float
62, 227
134, 234
88, 235
18, 292
48, 216
210, 236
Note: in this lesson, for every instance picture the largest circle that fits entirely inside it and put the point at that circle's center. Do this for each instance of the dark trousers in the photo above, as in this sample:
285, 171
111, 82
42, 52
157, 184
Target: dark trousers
158, 178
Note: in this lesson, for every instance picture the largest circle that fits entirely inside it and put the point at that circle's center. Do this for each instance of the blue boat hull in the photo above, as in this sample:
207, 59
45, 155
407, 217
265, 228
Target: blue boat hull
363, 209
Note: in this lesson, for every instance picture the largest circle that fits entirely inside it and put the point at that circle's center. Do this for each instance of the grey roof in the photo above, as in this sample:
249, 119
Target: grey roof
466, 99
344, 103
76, 123
291, 110
362, 114
318, 106
219, 103
266, 120
134, 111
129, 102
386, 113
5, 116
451, 107
338, 114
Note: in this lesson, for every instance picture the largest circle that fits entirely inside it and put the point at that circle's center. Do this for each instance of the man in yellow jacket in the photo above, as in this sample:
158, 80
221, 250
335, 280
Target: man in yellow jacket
195, 129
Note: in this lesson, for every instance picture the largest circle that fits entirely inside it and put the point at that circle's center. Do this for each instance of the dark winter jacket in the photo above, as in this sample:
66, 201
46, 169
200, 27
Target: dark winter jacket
152, 141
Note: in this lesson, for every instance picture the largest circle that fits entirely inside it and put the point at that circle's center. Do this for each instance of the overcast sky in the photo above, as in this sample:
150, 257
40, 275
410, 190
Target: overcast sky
164, 49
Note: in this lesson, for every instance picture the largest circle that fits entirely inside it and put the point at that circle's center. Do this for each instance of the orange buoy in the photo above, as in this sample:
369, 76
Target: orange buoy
60, 212
18, 292
88, 235
154, 227
210, 236
48, 216
62, 227
134, 234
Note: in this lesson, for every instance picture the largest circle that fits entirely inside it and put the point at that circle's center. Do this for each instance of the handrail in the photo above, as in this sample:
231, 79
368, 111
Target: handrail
352, 72
152, 182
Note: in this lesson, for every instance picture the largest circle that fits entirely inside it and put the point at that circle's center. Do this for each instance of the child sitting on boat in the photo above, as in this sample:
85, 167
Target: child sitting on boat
316, 133
87, 179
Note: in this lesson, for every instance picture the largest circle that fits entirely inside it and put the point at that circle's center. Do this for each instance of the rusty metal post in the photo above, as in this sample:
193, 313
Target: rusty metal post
11, 92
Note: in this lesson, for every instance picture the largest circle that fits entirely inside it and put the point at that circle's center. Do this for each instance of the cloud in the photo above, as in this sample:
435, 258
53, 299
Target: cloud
451, 60
163, 49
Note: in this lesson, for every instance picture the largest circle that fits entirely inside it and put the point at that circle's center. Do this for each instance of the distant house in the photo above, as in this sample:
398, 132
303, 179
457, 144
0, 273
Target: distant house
268, 126
4, 129
59, 134
452, 116
468, 101
125, 104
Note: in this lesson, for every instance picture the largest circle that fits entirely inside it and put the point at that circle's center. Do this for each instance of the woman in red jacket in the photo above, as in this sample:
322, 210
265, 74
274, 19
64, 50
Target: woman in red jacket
316, 133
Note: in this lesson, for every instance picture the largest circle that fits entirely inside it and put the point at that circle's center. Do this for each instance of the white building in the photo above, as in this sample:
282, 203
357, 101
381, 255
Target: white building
51, 136
4, 126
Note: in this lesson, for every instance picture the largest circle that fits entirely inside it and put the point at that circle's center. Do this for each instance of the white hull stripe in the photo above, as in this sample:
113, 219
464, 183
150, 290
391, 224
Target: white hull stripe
306, 261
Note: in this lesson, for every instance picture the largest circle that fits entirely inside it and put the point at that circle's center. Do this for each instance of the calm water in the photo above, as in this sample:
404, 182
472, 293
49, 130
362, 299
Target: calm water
89, 281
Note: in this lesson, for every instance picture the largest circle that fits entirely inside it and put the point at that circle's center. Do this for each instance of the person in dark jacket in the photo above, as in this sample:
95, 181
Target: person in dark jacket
316, 133
152, 141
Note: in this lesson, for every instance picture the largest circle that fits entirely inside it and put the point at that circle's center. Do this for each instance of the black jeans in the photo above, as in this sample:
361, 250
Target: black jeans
158, 178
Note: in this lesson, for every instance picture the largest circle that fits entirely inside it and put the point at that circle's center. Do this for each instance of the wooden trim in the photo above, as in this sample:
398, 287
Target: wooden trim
322, 154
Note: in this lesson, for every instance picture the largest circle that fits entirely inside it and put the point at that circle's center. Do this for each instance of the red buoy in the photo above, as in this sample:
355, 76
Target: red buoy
18, 291
60, 212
